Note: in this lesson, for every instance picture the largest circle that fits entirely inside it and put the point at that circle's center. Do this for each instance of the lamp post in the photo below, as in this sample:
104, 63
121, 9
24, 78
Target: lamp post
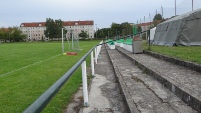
175, 8
162, 10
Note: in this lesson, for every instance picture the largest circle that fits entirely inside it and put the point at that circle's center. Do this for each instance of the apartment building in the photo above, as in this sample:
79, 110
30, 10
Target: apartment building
145, 26
35, 30
77, 26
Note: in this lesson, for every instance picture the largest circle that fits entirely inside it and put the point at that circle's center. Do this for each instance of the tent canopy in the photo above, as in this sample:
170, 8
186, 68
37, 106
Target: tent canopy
180, 30
152, 33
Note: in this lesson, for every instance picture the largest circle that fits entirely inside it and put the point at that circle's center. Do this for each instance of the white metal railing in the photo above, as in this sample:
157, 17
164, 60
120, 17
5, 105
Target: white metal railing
39, 104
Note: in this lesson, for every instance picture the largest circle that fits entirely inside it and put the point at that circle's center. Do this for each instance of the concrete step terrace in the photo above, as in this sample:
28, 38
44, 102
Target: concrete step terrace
181, 81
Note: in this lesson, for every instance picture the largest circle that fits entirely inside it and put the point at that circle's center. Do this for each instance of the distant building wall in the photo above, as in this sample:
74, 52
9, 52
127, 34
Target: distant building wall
148, 25
35, 30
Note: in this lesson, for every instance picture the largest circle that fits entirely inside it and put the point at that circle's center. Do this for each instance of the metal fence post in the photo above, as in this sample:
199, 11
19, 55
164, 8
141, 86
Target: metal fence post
99, 48
98, 51
84, 83
92, 63
96, 54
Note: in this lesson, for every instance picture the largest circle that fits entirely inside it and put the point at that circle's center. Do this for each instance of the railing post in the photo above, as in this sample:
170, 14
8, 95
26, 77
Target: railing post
98, 51
96, 54
84, 83
92, 63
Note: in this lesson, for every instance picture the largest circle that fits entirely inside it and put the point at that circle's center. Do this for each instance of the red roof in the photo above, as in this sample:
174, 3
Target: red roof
145, 24
33, 24
66, 23
73, 23
148, 23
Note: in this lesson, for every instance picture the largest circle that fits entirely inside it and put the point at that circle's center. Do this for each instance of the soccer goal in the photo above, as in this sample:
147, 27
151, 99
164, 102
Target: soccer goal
73, 44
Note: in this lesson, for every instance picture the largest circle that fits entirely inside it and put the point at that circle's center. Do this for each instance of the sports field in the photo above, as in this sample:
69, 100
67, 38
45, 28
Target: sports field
28, 69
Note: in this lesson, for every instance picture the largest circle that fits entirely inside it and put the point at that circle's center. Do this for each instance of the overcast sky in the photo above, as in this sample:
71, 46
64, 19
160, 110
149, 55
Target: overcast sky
103, 12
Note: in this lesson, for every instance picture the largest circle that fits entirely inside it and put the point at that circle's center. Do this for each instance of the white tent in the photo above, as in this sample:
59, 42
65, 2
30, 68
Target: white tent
152, 33
180, 30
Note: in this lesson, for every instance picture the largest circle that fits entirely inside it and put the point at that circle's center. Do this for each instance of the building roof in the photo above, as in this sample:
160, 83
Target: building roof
33, 24
148, 23
66, 23
73, 23
145, 24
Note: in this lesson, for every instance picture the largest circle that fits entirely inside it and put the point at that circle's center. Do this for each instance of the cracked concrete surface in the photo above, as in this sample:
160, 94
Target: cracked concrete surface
148, 95
141, 91
105, 96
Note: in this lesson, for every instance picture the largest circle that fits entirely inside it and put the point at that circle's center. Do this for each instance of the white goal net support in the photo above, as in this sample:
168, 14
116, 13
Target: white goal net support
73, 43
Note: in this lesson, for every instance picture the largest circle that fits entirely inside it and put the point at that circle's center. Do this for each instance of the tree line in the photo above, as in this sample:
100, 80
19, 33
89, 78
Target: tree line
54, 29
124, 29
11, 34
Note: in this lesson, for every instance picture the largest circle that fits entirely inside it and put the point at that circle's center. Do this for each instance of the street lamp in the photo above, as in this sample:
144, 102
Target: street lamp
175, 8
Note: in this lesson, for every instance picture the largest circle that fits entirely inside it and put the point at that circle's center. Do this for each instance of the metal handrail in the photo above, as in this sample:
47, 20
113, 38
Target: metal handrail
38, 105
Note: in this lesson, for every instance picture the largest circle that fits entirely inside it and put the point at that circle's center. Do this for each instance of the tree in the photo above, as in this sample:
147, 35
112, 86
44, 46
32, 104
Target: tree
53, 28
3, 34
83, 34
17, 35
139, 29
114, 29
12, 34
58, 28
122, 29
158, 17
102, 35
49, 32
126, 29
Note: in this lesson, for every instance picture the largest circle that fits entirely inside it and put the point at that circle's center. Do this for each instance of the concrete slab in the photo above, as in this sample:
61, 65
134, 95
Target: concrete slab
97, 100
104, 95
143, 91
182, 81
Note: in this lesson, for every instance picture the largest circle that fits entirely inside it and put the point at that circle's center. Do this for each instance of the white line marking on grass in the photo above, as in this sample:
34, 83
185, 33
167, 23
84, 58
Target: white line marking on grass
29, 65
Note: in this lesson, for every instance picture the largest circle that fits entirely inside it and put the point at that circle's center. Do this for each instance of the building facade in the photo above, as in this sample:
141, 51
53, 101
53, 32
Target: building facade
146, 26
35, 30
